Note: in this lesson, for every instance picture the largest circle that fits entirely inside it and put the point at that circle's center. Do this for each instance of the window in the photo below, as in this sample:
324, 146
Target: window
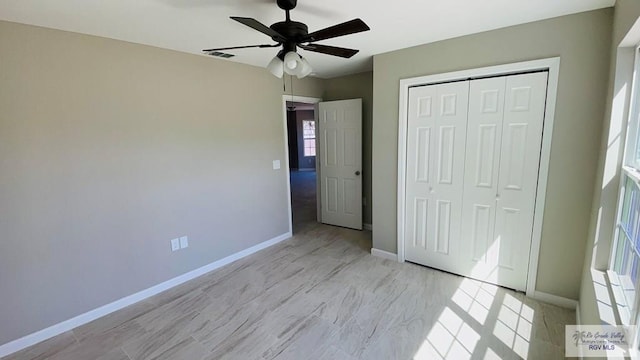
624, 265
309, 137
626, 254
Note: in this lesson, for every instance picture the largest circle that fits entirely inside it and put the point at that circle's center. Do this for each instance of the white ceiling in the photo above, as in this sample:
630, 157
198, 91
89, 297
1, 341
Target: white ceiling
192, 25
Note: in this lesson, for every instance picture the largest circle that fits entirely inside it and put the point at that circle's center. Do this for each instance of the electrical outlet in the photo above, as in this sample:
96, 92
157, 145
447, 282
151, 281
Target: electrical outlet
175, 244
184, 242
276, 164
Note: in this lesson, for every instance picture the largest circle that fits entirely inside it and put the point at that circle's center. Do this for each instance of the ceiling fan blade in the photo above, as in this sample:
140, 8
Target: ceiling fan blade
257, 25
330, 50
242, 47
346, 28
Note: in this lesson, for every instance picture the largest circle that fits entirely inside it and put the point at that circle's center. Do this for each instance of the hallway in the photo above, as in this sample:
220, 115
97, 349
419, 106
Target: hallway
303, 198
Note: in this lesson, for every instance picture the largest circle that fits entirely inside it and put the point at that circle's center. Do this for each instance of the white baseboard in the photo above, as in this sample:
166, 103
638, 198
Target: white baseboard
57, 329
367, 227
555, 300
384, 254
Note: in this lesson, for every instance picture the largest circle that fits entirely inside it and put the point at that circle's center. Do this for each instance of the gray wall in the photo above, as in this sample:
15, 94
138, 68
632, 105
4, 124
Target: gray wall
358, 86
583, 43
108, 150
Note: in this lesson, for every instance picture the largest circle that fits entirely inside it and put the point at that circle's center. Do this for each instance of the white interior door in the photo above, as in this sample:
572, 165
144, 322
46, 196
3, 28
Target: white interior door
340, 145
435, 165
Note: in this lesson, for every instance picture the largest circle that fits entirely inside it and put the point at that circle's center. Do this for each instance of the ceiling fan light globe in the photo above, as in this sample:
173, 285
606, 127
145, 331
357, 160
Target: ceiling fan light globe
291, 63
276, 67
305, 68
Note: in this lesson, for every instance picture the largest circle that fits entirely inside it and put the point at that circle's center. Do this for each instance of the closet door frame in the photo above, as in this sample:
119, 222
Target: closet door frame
552, 65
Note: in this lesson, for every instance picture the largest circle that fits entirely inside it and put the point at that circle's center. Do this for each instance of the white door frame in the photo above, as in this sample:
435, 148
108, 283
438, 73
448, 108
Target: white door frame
308, 100
552, 65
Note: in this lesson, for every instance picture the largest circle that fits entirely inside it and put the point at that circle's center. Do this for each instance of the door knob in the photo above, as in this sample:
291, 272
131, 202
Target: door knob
357, 173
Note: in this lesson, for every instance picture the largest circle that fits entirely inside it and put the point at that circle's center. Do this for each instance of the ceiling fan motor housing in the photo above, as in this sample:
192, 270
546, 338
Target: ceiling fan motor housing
287, 4
292, 30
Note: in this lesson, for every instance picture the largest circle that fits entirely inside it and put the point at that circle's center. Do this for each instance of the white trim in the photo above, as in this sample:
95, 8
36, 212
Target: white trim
384, 254
631, 111
304, 99
316, 117
550, 64
543, 173
367, 226
59, 328
621, 112
555, 300
403, 99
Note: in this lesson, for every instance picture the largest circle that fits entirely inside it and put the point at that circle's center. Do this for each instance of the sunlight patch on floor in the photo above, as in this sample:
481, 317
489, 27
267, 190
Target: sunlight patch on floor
514, 325
452, 338
475, 298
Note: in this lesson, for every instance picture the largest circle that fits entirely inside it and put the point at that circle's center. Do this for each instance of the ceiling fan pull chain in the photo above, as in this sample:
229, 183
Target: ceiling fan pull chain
291, 77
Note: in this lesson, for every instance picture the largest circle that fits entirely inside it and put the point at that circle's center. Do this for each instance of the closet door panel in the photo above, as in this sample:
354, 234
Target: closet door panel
434, 182
419, 209
525, 101
484, 134
450, 149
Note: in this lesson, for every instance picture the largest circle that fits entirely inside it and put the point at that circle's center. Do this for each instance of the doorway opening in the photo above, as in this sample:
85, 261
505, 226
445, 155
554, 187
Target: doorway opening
300, 125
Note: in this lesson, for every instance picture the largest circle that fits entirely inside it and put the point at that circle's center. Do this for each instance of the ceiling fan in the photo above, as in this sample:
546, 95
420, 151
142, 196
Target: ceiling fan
291, 35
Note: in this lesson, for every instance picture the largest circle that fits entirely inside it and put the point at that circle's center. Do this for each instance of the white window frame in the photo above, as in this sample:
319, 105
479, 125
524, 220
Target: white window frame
304, 145
633, 134
628, 314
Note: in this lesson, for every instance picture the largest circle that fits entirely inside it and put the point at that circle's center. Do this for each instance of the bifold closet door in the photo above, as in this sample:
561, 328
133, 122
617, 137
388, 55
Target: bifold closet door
437, 126
473, 154
504, 136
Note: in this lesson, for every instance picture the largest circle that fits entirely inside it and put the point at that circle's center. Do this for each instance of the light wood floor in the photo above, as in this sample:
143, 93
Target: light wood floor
321, 295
